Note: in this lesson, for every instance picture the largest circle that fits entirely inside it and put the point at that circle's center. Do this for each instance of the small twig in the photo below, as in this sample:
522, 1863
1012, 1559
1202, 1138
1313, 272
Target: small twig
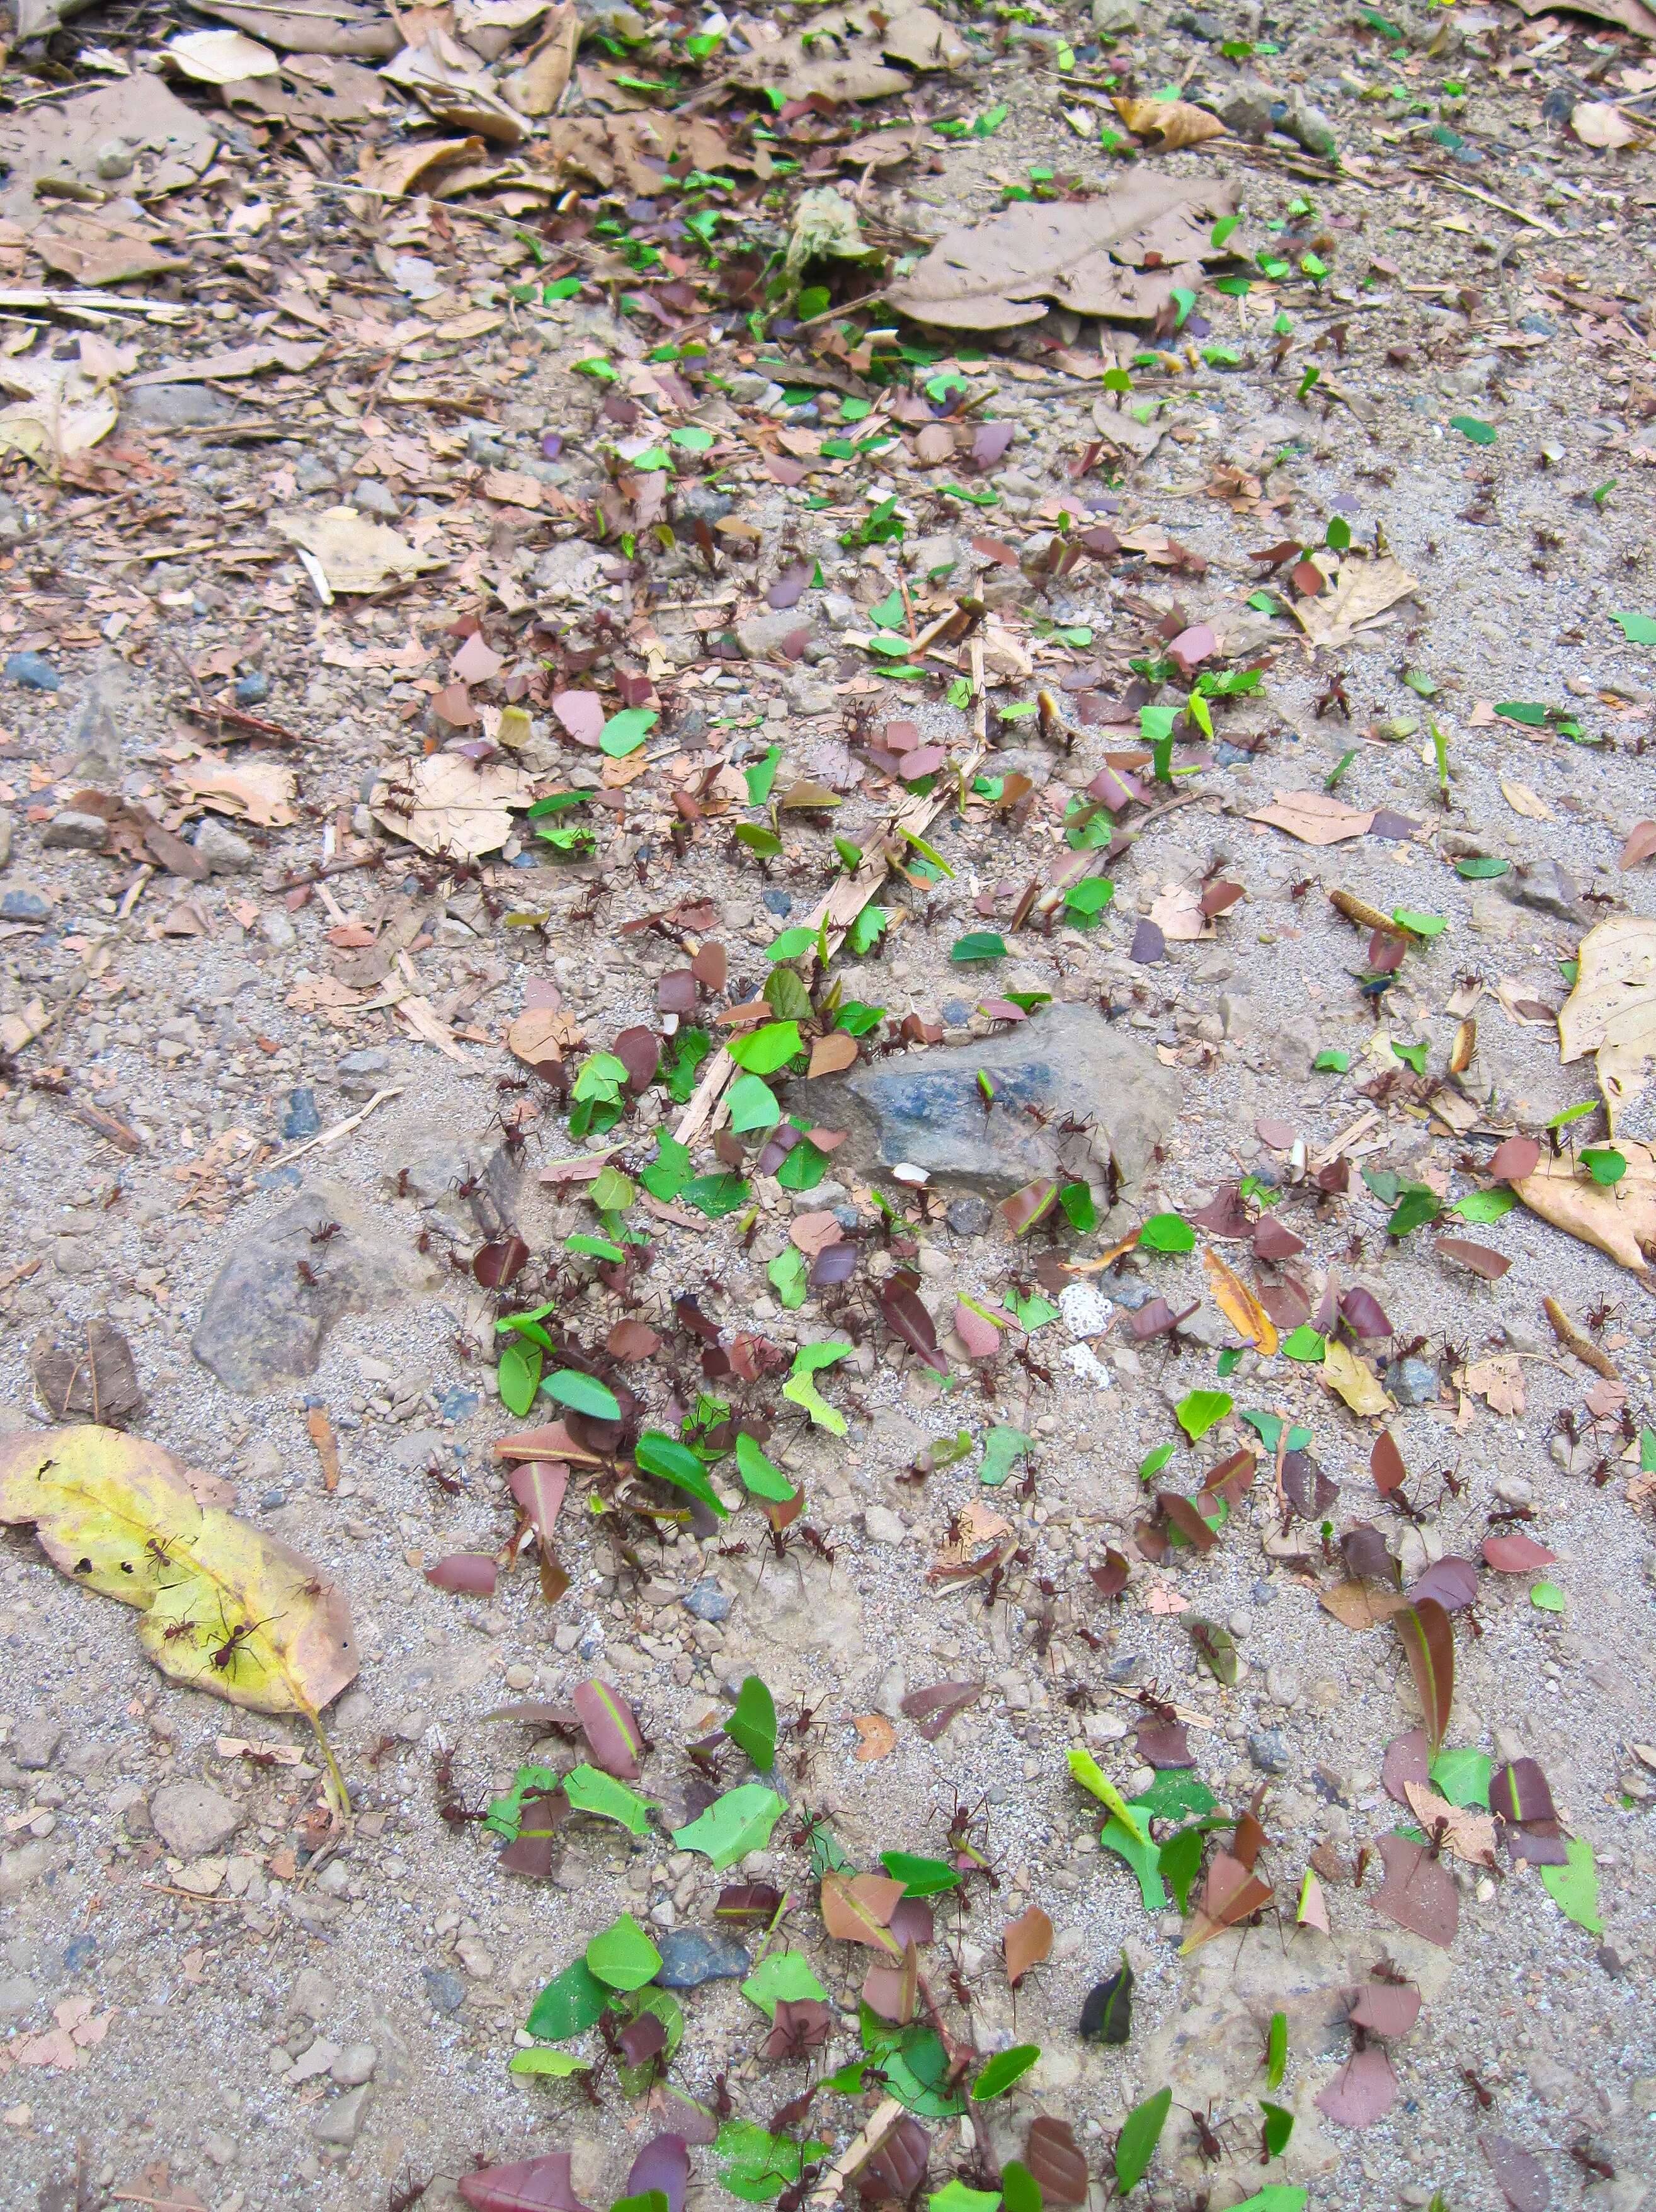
857, 2152
340, 1128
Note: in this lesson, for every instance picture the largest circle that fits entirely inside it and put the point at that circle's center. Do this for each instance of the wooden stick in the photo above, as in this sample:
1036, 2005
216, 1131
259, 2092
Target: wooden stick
857, 2152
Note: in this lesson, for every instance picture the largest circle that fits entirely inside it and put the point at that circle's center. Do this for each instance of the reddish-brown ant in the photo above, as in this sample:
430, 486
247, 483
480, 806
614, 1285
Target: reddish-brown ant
1485, 2097
325, 1232
224, 1654
307, 1273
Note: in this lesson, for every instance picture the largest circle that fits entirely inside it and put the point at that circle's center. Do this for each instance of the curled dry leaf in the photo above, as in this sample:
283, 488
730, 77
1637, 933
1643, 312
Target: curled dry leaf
932, 1710
1639, 845
1315, 817
1354, 1380
225, 1607
445, 803
1231, 1894
1365, 590
1028, 1942
1175, 123
349, 552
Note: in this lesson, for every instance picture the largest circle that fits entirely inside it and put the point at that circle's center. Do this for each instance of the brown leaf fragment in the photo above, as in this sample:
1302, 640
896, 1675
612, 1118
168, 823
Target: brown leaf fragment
1055, 2161
1520, 2175
1027, 1941
897, 2168
1315, 817
321, 1431
1419, 1893
1173, 123
857, 1908
1231, 1894
1360, 1606
1639, 845
1428, 1643
1467, 1830
1482, 1259
877, 1735
1363, 2091
1407, 1760
1239, 1304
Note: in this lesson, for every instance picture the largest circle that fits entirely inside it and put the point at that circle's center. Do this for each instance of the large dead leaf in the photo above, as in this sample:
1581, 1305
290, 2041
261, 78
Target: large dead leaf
397, 168
1315, 817
1365, 590
61, 410
1601, 123
1620, 1218
1611, 1012
314, 26
348, 553
1466, 1830
630, 148
1632, 15
537, 85
1120, 255
841, 57
1028, 1941
446, 78
449, 804
1173, 123
1238, 1305
58, 148
226, 1607
1499, 1382
261, 790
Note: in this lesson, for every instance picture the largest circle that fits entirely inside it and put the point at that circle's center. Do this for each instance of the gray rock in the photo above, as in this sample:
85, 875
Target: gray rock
341, 2122
941, 551
74, 832
747, 386
761, 636
33, 671
691, 1956
360, 1074
253, 689
370, 496
17, 1995
312, 473
35, 1744
970, 1215
193, 1820
1113, 19
883, 1525
444, 1987
276, 929
355, 2065
707, 1601
809, 694
1269, 1750
178, 406
5, 837
1248, 110
225, 853
1309, 127
926, 1107
301, 1119
1415, 1381
700, 502
1545, 887
25, 906
22, 1866
264, 1323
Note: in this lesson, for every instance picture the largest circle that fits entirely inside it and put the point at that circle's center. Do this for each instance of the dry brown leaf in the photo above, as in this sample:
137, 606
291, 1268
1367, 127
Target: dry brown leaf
1632, 15
1119, 255
1177, 912
1028, 1941
1524, 801
833, 1054
449, 804
1601, 123
1359, 1606
540, 1034
1611, 1012
59, 412
630, 148
537, 85
1362, 594
840, 57
396, 169
1499, 1382
878, 1736
1315, 817
1620, 1218
172, 145
1175, 123
260, 790
1353, 1379
1641, 844
350, 552
1468, 1831
858, 1908
313, 26
1238, 1305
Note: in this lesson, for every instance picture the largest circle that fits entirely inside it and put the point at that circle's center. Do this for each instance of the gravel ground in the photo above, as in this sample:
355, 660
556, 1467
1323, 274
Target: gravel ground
332, 2021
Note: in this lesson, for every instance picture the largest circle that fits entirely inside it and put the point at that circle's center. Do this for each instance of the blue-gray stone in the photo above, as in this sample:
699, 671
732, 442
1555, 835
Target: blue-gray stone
708, 1602
778, 902
1269, 1750
81, 1952
691, 1956
33, 671
1539, 326
1229, 755
25, 906
253, 689
970, 1215
956, 1012
445, 1988
280, 1179
301, 1119
1416, 1382
457, 1403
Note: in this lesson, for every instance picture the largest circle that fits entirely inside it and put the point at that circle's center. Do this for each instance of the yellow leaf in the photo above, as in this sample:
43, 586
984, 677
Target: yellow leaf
1091, 1776
1524, 801
1239, 1306
1356, 1382
226, 1608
